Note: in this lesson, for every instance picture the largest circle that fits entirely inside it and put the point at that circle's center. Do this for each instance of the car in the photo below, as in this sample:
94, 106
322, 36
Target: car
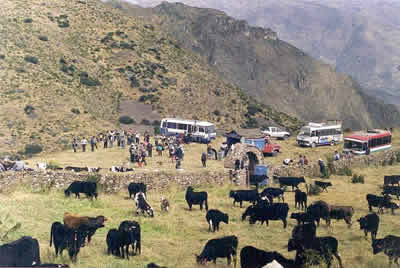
275, 132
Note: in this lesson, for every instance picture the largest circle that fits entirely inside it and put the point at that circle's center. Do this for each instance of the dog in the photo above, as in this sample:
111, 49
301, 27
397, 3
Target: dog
164, 204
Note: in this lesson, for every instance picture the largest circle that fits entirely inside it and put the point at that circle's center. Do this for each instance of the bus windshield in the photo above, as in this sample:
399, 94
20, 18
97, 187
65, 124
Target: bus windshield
353, 145
210, 129
305, 131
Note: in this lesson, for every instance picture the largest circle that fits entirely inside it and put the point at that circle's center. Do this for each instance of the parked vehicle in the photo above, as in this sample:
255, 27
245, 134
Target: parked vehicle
316, 134
200, 131
267, 148
368, 142
275, 132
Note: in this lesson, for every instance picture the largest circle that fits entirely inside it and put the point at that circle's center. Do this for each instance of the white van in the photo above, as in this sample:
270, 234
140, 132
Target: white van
200, 131
315, 134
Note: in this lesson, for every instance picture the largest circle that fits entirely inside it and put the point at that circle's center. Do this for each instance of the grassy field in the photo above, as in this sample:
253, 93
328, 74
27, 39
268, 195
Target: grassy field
172, 239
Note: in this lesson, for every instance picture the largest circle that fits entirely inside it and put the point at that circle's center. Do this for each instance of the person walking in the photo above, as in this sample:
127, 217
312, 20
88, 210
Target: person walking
93, 143
84, 142
123, 140
322, 168
150, 149
204, 159
105, 142
74, 145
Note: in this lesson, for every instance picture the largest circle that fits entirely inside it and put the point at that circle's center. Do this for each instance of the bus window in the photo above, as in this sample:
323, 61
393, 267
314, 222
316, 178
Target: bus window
171, 125
313, 134
164, 124
182, 126
201, 129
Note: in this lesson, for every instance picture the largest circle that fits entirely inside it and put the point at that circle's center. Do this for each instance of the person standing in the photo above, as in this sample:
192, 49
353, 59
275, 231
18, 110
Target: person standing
105, 142
322, 168
74, 145
150, 149
84, 142
93, 143
123, 140
204, 159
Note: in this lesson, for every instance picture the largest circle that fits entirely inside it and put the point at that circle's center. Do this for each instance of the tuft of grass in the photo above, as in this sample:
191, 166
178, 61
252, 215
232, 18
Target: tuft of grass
357, 179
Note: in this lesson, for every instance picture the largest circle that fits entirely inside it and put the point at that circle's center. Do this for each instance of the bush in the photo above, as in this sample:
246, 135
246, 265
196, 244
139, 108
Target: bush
89, 81
126, 120
53, 165
313, 189
150, 97
253, 108
250, 123
94, 178
28, 20
357, 179
32, 149
217, 112
31, 59
29, 109
75, 111
43, 38
145, 122
346, 171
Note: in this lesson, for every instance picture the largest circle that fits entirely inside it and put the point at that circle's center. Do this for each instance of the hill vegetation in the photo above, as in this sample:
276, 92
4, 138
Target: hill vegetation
66, 67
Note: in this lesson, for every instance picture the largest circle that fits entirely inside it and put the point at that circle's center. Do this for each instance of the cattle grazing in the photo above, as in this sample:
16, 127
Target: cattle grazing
86, 187
88, 225
390, 245
381, 202
142, 205
318, 210
302, 217
306, 232
164, 204
67, 238
340, 213
324, 246
214, 217
120, 169
76, 169
244, 195
265, 213
153, 265
291, 181
390, 180
225, 247
94, 169
300, 199
251, 257
272, 193
323, 185
369, 223
113, 240
58, 236
391, 190
196, 198
23, 252
129, 235
136, 187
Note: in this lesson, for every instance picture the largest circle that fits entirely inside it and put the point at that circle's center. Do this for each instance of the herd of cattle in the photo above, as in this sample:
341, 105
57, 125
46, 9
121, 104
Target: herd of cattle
76, 231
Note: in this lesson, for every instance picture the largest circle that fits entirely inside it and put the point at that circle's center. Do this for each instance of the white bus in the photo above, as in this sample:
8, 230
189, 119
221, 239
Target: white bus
315, 134
200, 131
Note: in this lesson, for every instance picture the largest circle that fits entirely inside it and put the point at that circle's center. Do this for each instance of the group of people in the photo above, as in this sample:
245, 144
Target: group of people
303, 161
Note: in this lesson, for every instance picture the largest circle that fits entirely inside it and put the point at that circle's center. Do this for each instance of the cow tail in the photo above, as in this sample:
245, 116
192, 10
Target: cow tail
51, 235
206, 204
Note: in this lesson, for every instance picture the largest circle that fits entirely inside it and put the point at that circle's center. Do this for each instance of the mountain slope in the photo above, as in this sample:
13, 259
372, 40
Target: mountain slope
359, 37
267, 68
66, 66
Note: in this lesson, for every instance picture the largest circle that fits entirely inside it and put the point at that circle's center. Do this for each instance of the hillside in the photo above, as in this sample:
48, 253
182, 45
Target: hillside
66, 68
359, 37
268, 69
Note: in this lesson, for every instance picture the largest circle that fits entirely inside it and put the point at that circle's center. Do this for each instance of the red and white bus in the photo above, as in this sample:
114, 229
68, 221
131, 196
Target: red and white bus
368, 142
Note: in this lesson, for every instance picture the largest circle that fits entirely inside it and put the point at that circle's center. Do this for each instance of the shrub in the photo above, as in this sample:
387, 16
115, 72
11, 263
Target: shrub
29, 109
28, 20
345, 171
150, 97
126, 120
75, 111
313, 189
53, 165
357, 179
250, 123
217, 112
94, 178
2, 57
89, 81
253, 108
32, 149
31, 59
43, 38
146, 122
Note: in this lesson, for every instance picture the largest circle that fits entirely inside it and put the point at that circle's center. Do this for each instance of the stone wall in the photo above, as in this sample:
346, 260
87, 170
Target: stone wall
109, 183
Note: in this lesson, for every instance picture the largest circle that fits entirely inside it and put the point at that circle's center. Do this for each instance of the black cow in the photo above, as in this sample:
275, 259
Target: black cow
251, 257
265, 213
86, 187
136, 187
76, 169
142, 205
324, 246
369, 223
225, 247
381, 202
214, 217
129, 235
302, 217
23, 252
306, 231
244, 195
390, 245
394, 179
53, 265
153, 265
272, 193
300, 199
67, 238
196, 198
391, 190
323, 185
291, 181
340, 213
318, 210
113, 240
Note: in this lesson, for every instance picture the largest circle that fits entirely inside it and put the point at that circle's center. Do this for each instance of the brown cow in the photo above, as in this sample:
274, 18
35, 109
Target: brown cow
83, 223
339, 213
